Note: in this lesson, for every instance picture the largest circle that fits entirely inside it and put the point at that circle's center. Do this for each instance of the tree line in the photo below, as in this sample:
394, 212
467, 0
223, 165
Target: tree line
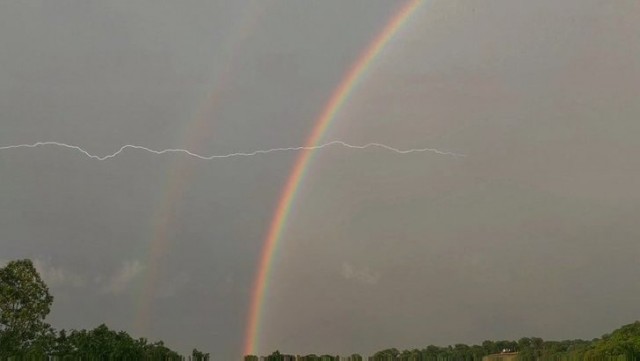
24, 304
623, 344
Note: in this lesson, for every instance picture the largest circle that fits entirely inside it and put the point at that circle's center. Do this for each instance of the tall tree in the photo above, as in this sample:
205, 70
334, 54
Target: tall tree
24, 303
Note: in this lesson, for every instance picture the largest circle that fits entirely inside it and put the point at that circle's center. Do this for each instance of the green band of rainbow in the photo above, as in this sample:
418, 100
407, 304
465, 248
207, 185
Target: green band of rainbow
296, 177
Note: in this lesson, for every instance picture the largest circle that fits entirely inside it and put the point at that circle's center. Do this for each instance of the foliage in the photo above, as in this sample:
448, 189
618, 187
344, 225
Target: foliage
199, 355
24, 303
622, 344
275, 356
623, 341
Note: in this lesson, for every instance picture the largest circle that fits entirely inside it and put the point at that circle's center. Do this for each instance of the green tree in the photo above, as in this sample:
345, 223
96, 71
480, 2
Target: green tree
275, 356
199, 355
624, 341
24, 303
391, 354
490, 347
326, 357
310, 357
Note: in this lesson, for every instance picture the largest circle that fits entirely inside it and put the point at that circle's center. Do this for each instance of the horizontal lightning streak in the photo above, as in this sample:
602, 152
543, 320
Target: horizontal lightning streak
230, 155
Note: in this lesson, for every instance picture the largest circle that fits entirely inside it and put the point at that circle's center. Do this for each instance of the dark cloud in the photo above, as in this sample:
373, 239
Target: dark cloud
533, 233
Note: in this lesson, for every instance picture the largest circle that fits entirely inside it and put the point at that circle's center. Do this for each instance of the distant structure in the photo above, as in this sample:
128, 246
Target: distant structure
505, 355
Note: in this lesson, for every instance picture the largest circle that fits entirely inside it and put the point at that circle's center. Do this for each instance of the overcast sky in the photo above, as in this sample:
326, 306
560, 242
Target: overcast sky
534, 233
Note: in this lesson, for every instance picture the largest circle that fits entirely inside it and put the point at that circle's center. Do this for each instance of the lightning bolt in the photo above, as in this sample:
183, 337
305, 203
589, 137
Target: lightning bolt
231, 155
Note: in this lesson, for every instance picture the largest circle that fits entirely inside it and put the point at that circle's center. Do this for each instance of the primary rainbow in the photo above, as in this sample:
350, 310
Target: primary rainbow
338, 98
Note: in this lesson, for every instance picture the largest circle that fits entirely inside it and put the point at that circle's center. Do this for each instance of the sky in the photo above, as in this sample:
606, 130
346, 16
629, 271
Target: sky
532, 233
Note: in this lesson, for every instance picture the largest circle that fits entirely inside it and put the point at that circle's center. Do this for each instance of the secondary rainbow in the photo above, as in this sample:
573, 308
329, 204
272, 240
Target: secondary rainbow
180, 170
338, 98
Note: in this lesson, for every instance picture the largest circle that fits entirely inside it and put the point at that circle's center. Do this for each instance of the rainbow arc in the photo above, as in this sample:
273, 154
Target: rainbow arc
296, 177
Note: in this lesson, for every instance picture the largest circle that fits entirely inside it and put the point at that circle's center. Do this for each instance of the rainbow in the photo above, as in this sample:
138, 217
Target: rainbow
338, 98
180, 171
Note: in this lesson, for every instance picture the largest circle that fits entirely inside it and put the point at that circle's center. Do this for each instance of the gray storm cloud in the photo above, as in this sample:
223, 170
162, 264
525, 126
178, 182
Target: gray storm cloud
381, 249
